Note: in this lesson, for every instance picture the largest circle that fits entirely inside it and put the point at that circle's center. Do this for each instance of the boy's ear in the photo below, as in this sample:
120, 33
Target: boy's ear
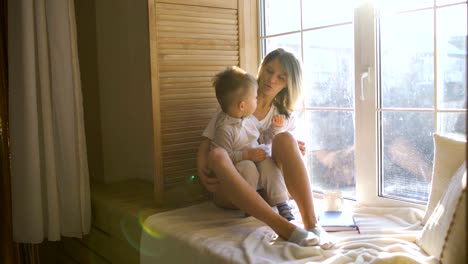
242, 105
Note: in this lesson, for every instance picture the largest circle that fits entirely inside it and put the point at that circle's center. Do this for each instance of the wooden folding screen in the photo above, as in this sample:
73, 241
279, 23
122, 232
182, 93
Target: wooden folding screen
190, 41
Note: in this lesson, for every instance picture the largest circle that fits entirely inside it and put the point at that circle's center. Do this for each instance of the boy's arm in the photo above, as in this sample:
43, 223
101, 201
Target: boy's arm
277, 125
266, 136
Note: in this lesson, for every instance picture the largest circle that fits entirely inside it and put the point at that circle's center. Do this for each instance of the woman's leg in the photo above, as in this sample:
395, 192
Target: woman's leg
235, 189
289, 159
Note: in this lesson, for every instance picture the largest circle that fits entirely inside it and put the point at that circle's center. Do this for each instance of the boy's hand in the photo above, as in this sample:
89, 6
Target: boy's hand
255, 154
278, 120
302, 147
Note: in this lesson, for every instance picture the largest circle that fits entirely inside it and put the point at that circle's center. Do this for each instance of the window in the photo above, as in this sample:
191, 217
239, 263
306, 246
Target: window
381, 78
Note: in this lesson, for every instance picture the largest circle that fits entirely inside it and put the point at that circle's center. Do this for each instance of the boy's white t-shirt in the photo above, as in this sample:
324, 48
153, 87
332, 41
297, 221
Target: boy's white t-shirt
289, 123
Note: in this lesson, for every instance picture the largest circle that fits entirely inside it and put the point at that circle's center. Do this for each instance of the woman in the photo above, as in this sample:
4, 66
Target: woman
280, 83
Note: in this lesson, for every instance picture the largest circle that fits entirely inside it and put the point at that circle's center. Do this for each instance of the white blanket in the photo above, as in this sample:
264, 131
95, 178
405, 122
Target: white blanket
205, 233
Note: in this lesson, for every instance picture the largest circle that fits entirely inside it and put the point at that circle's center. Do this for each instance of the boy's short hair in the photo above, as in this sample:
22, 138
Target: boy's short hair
231, 85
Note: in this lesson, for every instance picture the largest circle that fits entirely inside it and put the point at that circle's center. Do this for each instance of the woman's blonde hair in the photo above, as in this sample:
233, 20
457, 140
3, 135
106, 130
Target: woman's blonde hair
286, 99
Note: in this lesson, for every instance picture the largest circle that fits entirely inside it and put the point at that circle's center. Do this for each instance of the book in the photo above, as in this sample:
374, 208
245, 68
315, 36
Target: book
333, 221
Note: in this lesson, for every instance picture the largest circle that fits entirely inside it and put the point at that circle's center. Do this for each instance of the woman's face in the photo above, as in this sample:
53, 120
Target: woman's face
272, 79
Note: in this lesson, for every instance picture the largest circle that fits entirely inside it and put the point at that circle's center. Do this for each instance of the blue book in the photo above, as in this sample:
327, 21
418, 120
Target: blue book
333, 221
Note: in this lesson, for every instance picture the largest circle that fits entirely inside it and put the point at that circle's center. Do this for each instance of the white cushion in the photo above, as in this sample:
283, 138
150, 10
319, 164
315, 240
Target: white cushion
455, 245
437, 231
449, 154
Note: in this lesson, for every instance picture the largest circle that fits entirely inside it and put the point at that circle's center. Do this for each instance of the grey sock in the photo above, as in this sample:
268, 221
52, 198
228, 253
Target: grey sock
325, 241
316, 231
285, 211
302, 237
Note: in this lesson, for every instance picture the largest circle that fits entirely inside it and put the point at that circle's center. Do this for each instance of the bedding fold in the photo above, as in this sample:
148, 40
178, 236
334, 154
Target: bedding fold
204, 233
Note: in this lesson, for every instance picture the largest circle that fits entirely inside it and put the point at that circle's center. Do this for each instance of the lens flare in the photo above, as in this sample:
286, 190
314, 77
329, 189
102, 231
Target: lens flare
133, 228
141, 220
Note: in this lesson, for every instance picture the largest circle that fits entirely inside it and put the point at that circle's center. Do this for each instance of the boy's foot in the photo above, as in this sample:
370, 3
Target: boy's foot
285, 211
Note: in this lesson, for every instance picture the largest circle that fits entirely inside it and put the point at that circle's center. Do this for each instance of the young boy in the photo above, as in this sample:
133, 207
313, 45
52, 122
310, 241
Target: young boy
237, 133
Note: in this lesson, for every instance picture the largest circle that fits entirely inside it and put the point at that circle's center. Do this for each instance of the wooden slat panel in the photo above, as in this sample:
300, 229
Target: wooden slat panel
181, 79
183, 146
186, 96
165, 34
182, 134
197, 46
206, 20
167, 57
211, 31
184, 169
179, 154
182, 24
193, 13
192, 101
172, 117
189, 113
193, 43
180, 140
198, 63
186, 163
171, 91
188, 74
230, 4
180, 125
170, 131
180, 180
196, 8
199, 52
185, 86
159, 182
181, 118
173, 153
190, 68
183, 140
198, 41
172, 163
195, 107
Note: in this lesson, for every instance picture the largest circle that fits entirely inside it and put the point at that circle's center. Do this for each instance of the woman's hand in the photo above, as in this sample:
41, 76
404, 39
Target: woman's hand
254, 154
206, 176
302, 147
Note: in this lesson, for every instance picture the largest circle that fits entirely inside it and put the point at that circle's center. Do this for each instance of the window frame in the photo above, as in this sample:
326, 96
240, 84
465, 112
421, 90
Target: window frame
366, 60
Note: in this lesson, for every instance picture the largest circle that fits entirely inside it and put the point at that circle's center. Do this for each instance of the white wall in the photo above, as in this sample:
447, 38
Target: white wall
114, 57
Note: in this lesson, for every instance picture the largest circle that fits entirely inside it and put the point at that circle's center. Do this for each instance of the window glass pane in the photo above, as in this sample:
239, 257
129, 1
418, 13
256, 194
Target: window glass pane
290, 42
329, 67
330, 146
316, 13
446, 2
451, 51
452, 123
407, 60
407, 154
402, 5
281, 16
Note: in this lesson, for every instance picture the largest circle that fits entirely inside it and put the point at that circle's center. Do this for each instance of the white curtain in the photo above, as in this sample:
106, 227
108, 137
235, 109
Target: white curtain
49, 167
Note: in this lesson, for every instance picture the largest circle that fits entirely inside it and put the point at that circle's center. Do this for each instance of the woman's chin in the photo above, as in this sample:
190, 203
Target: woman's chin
266, 91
